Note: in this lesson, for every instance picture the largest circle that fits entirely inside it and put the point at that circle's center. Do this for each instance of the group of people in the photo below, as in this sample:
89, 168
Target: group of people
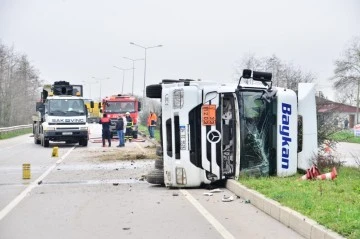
124, 127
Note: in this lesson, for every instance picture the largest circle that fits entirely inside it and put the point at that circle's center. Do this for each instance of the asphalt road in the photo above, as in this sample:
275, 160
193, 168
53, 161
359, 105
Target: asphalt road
85, 193
348, 153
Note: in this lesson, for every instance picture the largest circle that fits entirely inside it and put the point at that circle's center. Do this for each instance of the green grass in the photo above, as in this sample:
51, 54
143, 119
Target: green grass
345, 136
332, 203
144, 129
15, 133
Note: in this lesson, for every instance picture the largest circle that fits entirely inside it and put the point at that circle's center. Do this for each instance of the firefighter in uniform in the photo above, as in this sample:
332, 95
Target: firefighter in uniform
129, 125
105, 121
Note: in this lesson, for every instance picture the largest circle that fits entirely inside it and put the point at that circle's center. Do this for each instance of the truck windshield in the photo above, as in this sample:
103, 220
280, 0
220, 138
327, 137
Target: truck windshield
119, 107
66, 107
255, 132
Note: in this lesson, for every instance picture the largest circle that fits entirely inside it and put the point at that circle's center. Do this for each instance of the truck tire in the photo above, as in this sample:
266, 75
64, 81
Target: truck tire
83, 142
36, 140
156, 176
153, 91
159, 164
46, 143
159, 151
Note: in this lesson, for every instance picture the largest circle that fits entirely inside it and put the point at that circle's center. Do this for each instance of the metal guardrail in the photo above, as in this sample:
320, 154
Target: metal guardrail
14, 128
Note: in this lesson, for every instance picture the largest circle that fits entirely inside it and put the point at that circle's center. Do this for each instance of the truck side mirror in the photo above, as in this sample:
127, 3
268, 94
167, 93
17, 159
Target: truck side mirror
139, 106
209, 96
40, 106
91, 104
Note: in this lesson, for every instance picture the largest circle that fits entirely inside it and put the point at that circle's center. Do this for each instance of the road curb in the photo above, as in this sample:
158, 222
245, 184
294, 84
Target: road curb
303, 225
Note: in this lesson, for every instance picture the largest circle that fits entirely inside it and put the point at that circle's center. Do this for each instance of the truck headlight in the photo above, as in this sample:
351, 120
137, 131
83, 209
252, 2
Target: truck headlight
180, 176
83, 128
178, 99
49, 128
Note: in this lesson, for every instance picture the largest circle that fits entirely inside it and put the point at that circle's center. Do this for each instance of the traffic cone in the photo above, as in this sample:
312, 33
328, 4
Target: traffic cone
327, 176
327, 148
311, 173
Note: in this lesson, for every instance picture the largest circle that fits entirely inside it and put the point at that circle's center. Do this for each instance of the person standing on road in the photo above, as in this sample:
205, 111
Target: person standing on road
346, 123
119, 126
129, 125
105, 121
151, 123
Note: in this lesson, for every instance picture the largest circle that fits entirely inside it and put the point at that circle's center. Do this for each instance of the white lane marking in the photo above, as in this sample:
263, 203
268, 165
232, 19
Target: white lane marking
216, 224
33, 185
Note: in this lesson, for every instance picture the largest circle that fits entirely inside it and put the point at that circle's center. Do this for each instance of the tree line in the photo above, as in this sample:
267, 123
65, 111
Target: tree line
19, 84
283, 74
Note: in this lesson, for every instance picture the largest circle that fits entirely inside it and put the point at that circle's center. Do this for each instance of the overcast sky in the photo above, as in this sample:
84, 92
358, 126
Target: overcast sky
75, 40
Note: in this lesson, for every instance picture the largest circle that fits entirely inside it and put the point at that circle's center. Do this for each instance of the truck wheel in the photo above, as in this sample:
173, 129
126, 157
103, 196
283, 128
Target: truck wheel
83, 142
153, 91
36, 140
159, 151
156, 177
46, 143
159, 164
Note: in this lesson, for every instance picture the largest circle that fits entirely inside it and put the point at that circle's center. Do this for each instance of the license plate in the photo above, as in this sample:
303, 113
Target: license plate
182, 138
67, 133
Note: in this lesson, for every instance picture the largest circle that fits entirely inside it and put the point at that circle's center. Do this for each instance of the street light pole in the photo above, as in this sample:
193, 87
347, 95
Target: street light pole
145, 49
133, 68
123, 70
89, 83
100, 79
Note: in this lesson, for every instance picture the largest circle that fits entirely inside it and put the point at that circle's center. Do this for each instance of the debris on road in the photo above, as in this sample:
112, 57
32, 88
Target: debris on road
227, 198
217, 190
208, 194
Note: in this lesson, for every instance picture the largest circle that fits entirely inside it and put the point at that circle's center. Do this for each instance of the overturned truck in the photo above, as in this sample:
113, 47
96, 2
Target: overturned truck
214, 131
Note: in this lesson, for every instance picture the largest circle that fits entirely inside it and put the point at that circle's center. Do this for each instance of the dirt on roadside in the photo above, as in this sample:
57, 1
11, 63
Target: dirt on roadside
124, 153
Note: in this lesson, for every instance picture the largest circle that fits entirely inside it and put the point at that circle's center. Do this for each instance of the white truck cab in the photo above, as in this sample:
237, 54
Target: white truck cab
61, 117
213, 131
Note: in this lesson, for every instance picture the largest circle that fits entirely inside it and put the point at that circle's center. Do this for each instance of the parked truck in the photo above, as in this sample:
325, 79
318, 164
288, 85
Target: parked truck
118, 105
94, 114
214, 131
61, 115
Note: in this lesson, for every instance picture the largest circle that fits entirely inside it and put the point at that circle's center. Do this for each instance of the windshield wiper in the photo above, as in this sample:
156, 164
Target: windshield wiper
56, 112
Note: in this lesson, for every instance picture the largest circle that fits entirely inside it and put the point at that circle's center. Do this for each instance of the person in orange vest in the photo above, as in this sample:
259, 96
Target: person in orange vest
105, 121
151, 123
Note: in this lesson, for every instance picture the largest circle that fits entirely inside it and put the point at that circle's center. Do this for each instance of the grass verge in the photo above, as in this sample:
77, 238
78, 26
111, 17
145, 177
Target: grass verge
334, 203
144, 129
15, 133
345, 136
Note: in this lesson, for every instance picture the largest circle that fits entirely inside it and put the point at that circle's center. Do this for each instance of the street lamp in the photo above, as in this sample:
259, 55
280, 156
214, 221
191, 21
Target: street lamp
89, 83
100, 79
123, 70
145, 48
133, 60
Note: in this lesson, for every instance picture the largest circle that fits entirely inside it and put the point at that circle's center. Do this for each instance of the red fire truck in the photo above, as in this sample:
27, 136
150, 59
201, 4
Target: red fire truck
117, 105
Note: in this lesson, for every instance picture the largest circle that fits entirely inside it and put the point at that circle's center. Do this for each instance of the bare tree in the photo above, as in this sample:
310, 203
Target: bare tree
347, 95
284, 74
19, 83
347, 71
